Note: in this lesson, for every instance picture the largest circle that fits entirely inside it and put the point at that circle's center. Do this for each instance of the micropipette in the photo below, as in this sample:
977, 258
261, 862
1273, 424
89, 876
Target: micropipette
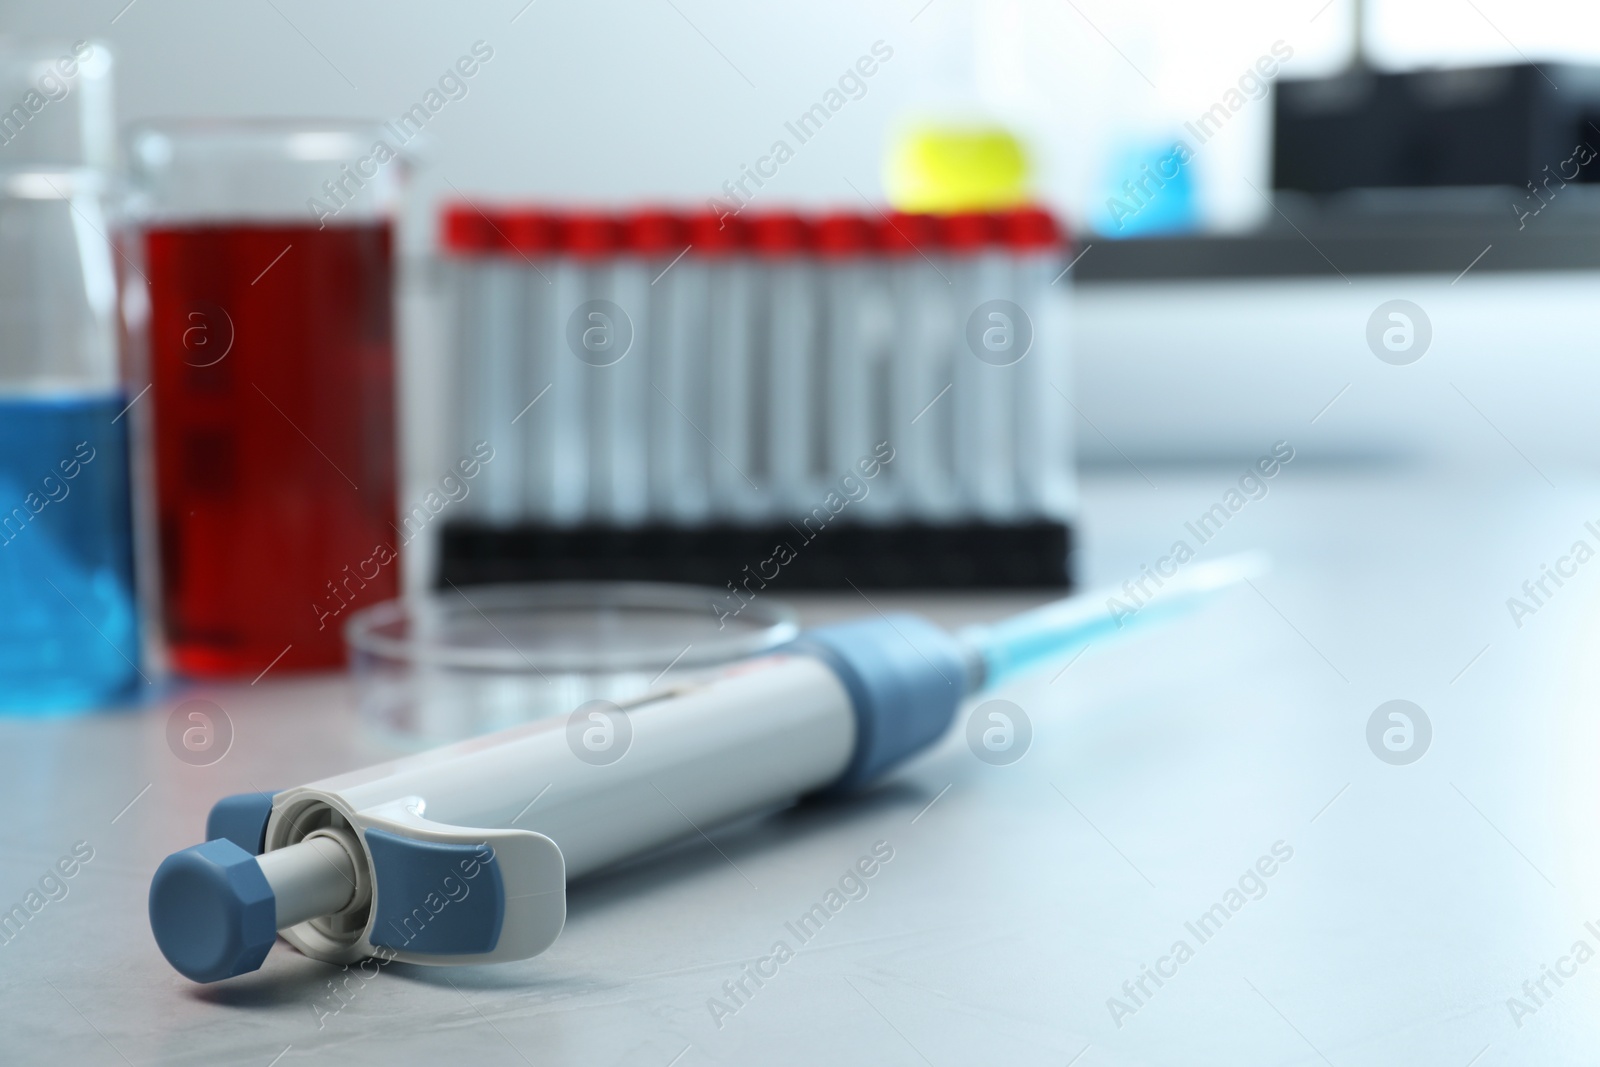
462, 854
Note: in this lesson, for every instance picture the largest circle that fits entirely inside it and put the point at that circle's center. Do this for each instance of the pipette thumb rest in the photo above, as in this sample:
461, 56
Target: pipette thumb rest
462, 854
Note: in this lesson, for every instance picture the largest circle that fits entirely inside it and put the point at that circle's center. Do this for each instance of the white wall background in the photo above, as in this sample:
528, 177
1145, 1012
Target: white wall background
599, 101
623, 99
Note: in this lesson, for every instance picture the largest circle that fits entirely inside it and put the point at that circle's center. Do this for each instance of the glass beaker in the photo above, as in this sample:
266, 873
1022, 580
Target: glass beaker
267, 338
69, 635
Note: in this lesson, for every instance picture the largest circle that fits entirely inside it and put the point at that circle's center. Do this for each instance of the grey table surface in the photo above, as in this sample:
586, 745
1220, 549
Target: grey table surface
1417, 901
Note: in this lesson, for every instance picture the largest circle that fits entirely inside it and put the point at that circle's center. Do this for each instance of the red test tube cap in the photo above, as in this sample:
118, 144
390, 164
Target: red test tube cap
968, 232
1030, 229
653, 233
465, 230
715, 233
589, 234
780, 233
907, 234
843, 235
531, 232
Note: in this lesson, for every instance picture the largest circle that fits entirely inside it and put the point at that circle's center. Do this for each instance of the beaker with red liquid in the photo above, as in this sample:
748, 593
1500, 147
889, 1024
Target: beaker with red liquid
265, 333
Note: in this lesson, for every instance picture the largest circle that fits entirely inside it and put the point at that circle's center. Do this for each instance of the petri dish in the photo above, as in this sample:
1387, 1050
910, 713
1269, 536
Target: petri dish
467, 661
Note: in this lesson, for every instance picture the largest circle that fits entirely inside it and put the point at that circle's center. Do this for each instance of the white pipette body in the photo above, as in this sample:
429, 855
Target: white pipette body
462, 854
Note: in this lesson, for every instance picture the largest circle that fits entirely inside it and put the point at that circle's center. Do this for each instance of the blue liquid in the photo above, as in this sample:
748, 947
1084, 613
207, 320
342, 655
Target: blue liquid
69, 635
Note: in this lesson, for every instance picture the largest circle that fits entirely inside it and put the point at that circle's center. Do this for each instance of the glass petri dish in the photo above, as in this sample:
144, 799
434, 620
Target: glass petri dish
463, 662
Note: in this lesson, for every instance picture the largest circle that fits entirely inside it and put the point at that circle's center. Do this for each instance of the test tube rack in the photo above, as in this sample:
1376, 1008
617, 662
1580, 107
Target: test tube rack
872, 399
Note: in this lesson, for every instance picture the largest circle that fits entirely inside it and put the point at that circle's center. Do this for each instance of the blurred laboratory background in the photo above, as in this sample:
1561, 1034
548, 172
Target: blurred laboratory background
797, 223
602, 104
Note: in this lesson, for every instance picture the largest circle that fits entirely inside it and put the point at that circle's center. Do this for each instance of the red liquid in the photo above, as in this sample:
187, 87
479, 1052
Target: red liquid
275, 463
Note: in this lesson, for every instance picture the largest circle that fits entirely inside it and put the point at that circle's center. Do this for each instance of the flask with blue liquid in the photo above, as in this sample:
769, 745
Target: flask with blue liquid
69, 633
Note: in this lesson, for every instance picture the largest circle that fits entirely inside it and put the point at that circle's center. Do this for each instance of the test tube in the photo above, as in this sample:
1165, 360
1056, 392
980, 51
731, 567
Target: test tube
1046, 480
467, 238
644, 291
498, 379
532, 240
735, 492
986, 335
679, 403
584, 336
922, 416
854, 364
787, 423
